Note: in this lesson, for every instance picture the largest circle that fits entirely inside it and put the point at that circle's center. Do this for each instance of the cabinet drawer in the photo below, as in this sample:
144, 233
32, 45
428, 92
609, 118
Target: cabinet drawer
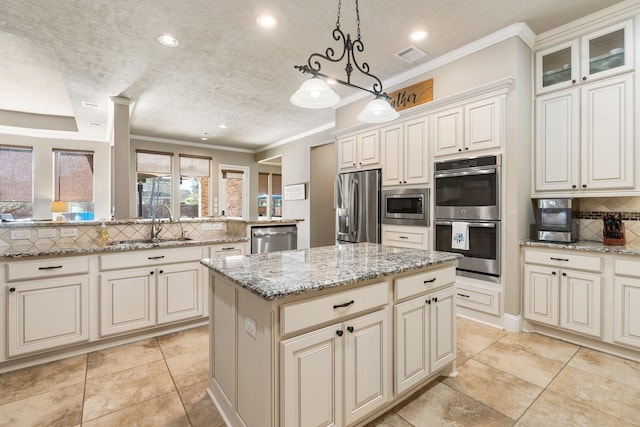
486, 300
564, 259
627, 267
51, 267
152, 257
400, 237
300, 315
423, 282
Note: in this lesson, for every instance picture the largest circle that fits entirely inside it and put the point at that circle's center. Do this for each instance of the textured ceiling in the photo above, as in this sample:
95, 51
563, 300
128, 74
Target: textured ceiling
226, 70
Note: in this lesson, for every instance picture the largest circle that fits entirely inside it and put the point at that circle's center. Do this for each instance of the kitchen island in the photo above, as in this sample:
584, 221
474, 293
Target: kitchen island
335, 335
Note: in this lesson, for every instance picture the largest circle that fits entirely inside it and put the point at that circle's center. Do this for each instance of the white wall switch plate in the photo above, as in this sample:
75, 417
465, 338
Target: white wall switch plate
250, 326
68, 232
20, 234
47, 232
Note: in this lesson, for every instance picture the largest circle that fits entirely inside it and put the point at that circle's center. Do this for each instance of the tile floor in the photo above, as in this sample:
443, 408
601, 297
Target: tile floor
504, 380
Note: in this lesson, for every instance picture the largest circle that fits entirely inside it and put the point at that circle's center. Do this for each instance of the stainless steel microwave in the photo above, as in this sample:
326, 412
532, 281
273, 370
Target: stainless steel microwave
405, 206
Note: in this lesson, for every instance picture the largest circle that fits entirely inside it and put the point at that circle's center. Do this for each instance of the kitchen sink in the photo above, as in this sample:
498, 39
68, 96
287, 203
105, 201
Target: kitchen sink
148, 241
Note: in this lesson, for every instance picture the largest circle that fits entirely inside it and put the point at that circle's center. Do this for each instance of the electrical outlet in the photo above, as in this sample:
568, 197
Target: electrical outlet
250, 326
20, 234
47, 232
68, 232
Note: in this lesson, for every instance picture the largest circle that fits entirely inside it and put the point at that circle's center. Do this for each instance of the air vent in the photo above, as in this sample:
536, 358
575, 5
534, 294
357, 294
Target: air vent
90, 104
411, 53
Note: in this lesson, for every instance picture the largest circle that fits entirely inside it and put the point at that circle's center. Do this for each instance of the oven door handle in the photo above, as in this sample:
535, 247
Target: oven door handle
465, 173
471, 224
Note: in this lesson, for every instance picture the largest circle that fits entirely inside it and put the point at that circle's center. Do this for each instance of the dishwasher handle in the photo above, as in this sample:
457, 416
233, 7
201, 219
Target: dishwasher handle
274, 233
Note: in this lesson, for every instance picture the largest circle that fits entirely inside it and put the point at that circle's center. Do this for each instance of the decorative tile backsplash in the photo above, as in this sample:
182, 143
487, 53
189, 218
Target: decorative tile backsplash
593, 209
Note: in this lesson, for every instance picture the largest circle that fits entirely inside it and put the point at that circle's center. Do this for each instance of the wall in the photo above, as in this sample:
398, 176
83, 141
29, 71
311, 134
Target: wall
43, 171
321, 195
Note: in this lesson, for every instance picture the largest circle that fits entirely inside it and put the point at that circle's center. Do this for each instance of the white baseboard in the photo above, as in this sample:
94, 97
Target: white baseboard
512, 323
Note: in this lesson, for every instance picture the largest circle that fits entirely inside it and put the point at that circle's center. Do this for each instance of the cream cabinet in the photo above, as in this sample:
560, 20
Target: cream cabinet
598, 54
231, 249
405, 236
584, 138
424, 327
564, 290
359, 151
626, 290
44, 314
318, 367
167, 286
405, 153
472, 126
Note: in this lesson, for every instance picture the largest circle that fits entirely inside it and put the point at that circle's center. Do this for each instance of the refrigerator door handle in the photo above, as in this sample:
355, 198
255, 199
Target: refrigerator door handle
356, 208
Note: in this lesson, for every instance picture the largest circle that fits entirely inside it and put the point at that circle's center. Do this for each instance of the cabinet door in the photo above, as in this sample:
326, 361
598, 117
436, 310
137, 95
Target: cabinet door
180, 292
607, 134
368, 150
541, 297
311, 386
447, 131
412, 331
347, 153
366, 366
45, 314
443, 331
392, 154
557, 67
483, 124
557, 143
580, 302
127, 300
607, 51
626, 293
416, 164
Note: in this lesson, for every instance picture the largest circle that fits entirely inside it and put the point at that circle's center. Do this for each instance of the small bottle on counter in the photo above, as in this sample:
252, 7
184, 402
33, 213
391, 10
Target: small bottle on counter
103, 237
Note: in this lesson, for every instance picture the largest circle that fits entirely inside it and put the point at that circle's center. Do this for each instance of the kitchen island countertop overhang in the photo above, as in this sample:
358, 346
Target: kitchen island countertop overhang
282, 274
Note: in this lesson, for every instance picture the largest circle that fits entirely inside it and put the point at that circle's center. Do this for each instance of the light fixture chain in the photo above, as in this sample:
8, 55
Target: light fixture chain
339, 7
358, 19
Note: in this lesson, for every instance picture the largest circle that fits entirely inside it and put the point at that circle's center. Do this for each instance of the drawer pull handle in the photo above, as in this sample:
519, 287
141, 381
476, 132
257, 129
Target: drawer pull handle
559, 259
228, 249
403, 237
54, 267
463, 295
430, 280
156, 257
346, 304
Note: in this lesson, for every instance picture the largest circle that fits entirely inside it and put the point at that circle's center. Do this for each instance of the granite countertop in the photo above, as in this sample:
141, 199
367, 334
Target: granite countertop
132, 221
61, 249
281, 274
587, 245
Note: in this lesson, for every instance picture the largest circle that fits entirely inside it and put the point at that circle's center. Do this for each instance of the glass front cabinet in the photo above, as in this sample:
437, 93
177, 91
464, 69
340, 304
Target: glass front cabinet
595, 55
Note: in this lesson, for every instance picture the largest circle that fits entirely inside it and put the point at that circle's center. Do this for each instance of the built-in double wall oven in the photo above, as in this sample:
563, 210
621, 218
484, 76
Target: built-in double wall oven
467, 214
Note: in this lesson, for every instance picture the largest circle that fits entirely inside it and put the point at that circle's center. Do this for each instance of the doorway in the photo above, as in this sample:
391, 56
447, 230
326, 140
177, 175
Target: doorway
321, 195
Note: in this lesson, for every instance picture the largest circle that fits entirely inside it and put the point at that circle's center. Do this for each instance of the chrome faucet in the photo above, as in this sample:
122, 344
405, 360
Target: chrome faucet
156, 227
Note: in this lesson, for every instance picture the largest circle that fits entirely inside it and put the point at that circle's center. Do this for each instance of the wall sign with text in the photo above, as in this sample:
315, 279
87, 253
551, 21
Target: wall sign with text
295, 192
411, 96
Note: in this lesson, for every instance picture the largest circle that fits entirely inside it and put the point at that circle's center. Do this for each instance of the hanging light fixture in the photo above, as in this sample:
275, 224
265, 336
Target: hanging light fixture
316, 93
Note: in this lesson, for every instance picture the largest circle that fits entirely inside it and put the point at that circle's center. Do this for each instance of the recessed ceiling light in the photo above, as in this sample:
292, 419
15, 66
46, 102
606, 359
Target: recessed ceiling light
266, 21
223, 126
167, 40
204, 139
416, 36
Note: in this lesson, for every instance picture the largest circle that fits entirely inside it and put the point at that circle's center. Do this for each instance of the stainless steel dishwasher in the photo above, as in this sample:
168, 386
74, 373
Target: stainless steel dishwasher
273, 238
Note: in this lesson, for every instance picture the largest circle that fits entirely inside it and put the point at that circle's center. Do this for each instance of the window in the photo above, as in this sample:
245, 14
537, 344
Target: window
233, 191
73, 181
269, 194
194, 185
16, 181
276, 194
153, 173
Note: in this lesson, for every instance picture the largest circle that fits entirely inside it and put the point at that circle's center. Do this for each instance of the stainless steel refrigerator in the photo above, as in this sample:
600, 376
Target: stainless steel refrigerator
358, 206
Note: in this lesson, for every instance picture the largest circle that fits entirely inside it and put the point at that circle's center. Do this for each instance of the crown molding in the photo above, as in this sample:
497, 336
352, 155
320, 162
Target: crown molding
190, 144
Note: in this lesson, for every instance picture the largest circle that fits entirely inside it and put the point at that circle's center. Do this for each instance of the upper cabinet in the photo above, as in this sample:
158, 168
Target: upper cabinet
404, 153
472, 126
598, 54
359, 151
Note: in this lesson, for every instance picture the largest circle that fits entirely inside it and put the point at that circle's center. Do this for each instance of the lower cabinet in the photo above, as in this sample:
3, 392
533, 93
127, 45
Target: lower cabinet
352, 356
31, 306
134, 299
425, 337
626, 292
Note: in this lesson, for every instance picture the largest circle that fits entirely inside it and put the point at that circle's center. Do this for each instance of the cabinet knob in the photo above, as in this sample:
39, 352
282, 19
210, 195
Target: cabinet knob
459, 149
12, 289
435, 299
152, 272
339, 332
573, 186
161, 271
553, 273
404, 182
399, 182
584, 185
573, 81
584, 78
564, 274
428, 301
350, 329
466, 148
